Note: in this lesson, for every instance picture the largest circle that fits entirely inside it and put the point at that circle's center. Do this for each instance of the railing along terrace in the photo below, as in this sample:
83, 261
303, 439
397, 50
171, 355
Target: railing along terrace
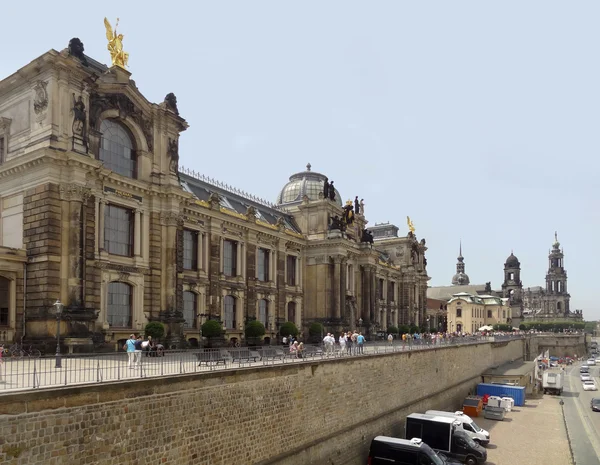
22, 373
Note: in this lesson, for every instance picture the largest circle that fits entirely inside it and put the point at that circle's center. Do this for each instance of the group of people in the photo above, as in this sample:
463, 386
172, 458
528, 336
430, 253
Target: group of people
136, 345
351, 342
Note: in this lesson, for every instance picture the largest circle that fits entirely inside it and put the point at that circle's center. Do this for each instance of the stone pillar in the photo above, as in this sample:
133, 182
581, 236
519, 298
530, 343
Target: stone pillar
221, 247
137, 229
170, 222
101, 213
238, 259
199, 252
336, 304
342, 294
76, 196
299, 310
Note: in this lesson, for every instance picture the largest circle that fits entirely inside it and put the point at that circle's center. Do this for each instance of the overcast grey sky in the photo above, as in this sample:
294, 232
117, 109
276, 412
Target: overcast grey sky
478, 119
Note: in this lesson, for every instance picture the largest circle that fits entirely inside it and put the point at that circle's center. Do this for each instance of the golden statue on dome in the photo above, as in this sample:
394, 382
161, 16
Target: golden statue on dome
115, 45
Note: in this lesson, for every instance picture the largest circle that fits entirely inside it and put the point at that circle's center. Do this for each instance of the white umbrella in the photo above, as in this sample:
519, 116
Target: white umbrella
486, 328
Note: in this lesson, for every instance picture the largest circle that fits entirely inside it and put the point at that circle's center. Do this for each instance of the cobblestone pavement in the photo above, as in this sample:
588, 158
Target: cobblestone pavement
534, 434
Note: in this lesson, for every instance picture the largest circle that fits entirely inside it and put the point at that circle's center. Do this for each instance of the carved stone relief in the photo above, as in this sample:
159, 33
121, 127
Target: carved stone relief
40, 101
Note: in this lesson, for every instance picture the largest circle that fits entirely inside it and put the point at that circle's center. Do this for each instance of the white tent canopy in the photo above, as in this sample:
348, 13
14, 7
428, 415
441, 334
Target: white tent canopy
486, 328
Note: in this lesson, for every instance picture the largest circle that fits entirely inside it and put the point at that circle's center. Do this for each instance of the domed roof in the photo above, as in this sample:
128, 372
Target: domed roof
460, 279
309, 183
512, 261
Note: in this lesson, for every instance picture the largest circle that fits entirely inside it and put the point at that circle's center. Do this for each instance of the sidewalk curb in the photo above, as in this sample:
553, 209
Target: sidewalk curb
562, 409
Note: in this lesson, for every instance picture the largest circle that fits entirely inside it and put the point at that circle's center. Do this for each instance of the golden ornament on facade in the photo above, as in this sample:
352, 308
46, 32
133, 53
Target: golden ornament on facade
115, 45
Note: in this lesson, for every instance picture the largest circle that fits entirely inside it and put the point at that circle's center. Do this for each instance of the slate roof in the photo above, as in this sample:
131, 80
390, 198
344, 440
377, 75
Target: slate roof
234, 199
446, 292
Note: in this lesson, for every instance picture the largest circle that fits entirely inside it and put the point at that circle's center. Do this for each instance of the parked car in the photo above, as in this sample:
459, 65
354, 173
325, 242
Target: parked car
589, 386
585, 377
584, 369
591, 361
595, 404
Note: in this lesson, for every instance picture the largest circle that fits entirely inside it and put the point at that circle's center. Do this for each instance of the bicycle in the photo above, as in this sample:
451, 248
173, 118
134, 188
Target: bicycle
16, 350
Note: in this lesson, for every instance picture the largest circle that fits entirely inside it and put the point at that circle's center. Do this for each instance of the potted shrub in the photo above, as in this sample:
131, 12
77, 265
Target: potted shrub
254, 331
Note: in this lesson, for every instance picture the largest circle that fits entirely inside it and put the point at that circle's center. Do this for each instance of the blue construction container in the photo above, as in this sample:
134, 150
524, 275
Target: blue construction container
503, 390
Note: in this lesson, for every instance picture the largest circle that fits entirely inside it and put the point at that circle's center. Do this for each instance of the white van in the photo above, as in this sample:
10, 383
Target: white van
466, 424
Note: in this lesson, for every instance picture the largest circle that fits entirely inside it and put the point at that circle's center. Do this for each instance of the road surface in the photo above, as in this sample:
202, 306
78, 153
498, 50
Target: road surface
583, 425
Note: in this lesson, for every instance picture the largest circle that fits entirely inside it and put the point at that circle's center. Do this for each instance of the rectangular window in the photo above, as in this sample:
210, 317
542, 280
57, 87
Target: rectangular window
230, 258
489, 314
118, 230
190, 250
459, 312
2, 156
392, 291
291, 270
4, 301
381, 289
263, 264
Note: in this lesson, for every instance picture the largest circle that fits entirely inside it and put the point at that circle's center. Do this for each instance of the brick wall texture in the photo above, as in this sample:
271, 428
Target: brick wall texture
305, 413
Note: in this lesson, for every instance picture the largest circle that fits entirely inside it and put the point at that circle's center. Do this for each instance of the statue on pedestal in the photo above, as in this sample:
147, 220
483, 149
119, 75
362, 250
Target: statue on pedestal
335, 223
326, 189
348, 215
331, 191
367, 236
356, 206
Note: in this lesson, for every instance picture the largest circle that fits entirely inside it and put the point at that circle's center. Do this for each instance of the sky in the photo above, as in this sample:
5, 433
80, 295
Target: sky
477, 119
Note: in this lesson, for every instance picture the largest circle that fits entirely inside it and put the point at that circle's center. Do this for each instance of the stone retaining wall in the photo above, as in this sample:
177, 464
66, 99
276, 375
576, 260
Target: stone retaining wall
318, 412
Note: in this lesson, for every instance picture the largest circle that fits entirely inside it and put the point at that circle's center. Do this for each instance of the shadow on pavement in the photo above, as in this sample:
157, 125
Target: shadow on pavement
491, 446
570, 394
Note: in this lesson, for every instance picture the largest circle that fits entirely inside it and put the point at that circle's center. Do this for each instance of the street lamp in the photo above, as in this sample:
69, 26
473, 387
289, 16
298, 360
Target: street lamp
59, 308
360, 322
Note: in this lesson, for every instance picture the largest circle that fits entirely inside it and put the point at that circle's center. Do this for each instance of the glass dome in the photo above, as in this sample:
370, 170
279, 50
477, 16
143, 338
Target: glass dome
309, 183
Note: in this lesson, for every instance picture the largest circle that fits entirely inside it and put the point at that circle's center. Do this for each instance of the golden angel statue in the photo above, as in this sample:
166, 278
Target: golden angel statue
411, 226
115, 45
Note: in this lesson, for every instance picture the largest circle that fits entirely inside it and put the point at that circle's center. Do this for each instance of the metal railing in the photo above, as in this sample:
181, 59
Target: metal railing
29, 373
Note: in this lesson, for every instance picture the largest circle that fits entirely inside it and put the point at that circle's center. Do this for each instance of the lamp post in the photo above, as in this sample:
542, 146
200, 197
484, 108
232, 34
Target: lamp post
59, 308
360, 322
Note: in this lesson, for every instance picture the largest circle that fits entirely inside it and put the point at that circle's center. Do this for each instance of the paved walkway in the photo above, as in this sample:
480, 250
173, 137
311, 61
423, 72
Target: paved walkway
534, 434
35, 373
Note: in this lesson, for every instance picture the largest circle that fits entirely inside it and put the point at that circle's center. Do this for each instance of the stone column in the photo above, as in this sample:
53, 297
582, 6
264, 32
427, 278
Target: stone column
76, 196
297, 270
299, 310
199, 252
239, 312
238, 259
221, 255
342, 294
171, 221
101, 213
337, 265
137, 229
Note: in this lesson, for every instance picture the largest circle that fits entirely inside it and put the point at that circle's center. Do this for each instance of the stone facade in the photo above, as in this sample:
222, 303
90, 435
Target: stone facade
467, 313
294, 413
95, 212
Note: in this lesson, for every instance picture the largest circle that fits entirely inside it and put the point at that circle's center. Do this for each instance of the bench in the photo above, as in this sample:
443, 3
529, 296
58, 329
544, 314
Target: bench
270, 353
215, 357
244, 354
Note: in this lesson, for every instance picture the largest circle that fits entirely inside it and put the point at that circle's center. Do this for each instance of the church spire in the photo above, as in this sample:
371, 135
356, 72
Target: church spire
460, 278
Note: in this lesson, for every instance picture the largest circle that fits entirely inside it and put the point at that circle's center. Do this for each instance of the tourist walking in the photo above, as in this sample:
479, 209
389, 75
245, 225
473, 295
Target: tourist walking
138, 351
130, 348
360, 340
342, 341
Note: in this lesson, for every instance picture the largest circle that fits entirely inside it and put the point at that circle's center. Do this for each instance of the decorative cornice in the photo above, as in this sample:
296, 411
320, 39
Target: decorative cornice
171, 218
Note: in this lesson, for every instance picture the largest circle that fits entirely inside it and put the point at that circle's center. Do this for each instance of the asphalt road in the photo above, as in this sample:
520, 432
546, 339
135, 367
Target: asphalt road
583, 424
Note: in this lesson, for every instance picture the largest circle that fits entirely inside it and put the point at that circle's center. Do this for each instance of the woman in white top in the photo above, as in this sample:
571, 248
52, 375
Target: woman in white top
342, 340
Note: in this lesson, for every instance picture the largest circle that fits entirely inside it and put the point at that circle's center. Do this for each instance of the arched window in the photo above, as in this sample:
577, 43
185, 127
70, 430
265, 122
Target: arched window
291, 310
4, 301
559, 306
263, 312
190, 300
117, 149
119, 308
229, 303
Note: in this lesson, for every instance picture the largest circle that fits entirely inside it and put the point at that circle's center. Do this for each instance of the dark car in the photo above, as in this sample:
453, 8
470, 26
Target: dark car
388, 451
595, 404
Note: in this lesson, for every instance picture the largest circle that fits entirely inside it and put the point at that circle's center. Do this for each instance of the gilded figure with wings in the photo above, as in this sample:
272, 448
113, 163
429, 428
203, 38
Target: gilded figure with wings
411, 226
115, 45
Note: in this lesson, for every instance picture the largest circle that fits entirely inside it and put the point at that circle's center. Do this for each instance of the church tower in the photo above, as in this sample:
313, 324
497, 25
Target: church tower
460, 278
512, 287
557, 297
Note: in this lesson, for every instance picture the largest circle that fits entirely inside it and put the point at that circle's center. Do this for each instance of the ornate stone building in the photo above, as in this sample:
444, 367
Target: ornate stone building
95, 212
467, 312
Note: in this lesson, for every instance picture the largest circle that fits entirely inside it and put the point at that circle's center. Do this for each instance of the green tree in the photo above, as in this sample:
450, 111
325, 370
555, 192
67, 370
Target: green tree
211, 329
393, 330
316, 329
404, 329
255, 329
288, 328
155, 329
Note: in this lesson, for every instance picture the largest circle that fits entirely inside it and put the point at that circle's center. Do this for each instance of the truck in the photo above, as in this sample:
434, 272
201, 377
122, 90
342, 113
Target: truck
477, 434
553, 382
440, 433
